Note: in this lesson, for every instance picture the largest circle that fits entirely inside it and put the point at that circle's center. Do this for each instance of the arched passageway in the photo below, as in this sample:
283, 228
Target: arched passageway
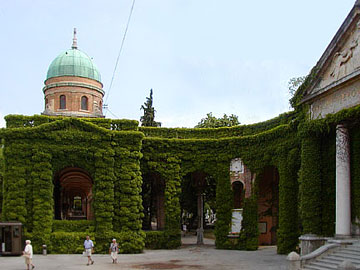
153, 195
73, 194
268, 206
197, 200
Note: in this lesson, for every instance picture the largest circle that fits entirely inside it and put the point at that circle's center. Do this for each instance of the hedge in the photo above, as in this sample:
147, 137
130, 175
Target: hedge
73, 226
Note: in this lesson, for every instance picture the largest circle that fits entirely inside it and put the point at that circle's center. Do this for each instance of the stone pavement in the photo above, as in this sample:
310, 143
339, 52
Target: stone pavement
187, 257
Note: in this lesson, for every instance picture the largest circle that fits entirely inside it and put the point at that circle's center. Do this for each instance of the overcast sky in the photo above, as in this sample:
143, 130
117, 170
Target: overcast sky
198, 56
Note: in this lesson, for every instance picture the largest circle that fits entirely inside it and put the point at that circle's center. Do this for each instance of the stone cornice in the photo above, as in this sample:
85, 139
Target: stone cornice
74, 84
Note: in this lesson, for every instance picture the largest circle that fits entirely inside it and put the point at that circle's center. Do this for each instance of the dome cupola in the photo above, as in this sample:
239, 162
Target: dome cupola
73, 85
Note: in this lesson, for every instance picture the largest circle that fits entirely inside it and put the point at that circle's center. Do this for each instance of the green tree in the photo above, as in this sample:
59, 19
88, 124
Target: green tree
148, 119
211, 121
294, 83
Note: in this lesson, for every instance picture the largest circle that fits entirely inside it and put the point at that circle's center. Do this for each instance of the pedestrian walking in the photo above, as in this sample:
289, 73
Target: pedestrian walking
113, 250
89, 246
28, 255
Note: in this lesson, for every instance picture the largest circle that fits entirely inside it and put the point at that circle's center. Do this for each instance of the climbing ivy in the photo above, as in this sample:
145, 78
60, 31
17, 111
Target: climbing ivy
34, 154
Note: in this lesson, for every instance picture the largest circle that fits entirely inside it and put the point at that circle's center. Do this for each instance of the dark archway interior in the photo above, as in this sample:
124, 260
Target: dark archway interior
193, 185
153, 194
238, 191
73, 194
268, 206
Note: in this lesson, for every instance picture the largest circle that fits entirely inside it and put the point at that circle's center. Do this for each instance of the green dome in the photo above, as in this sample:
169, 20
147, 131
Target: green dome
73, 62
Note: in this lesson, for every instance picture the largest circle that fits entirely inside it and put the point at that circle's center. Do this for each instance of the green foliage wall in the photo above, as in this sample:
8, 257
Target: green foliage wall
289, 231
34, 154
318, 168
2, 168
216, 133
328, 169
355, 173
112, 159
41, 177
310, 185
213, 156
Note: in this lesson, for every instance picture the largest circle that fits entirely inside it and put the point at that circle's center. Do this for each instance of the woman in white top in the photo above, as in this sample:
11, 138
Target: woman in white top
28, 254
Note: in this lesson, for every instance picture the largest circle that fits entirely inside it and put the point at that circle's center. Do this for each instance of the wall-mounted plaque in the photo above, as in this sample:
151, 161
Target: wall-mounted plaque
262, 227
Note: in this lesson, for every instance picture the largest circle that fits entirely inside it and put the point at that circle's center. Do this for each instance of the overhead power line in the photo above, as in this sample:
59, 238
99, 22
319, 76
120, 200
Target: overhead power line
121, 47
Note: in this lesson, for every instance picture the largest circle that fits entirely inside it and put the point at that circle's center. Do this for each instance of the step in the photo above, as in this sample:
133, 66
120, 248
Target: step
349, 251
332, 259
352, 248
329, 261
324, 265
346, 257
312, 267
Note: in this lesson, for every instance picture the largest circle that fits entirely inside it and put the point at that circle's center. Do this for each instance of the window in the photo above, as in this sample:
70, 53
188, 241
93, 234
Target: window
84, 103
62, 102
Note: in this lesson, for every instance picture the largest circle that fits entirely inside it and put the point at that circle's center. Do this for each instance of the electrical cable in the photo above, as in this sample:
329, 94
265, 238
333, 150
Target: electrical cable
117, 60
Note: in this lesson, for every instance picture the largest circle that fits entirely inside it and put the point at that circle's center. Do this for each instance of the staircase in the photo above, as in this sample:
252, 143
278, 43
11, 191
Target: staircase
332, 259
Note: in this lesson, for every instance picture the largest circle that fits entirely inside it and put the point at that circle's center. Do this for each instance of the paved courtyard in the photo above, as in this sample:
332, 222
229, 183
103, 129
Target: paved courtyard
188, 257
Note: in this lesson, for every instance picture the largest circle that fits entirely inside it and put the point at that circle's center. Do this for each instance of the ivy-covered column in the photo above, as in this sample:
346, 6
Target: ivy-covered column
43, 211
223, 205
171, 173
15, 183
103, 196
128, 203
288, 233
310, 185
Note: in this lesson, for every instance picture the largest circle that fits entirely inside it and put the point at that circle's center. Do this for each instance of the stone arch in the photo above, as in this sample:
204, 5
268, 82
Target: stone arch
268, 205
73, 194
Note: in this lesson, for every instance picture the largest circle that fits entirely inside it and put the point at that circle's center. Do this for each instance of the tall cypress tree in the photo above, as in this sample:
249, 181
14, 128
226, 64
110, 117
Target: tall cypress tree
148, 119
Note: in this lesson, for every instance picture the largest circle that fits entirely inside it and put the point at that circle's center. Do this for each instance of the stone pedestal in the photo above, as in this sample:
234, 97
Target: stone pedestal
294, 261
343, 203
310, 242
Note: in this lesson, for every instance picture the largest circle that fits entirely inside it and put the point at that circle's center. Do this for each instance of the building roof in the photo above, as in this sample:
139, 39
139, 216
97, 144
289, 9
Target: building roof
73, 62
326, 59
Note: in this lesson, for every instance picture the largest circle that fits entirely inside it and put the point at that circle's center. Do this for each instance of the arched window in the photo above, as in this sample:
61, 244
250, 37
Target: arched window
84, 103
100, 106
62, 102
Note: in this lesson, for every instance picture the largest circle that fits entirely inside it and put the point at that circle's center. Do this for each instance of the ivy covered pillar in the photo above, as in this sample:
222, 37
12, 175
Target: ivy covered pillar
128, 209
310, 185
311, 194
171, 174
288, 231
15, 183
103, 195
223, 205
43, 210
